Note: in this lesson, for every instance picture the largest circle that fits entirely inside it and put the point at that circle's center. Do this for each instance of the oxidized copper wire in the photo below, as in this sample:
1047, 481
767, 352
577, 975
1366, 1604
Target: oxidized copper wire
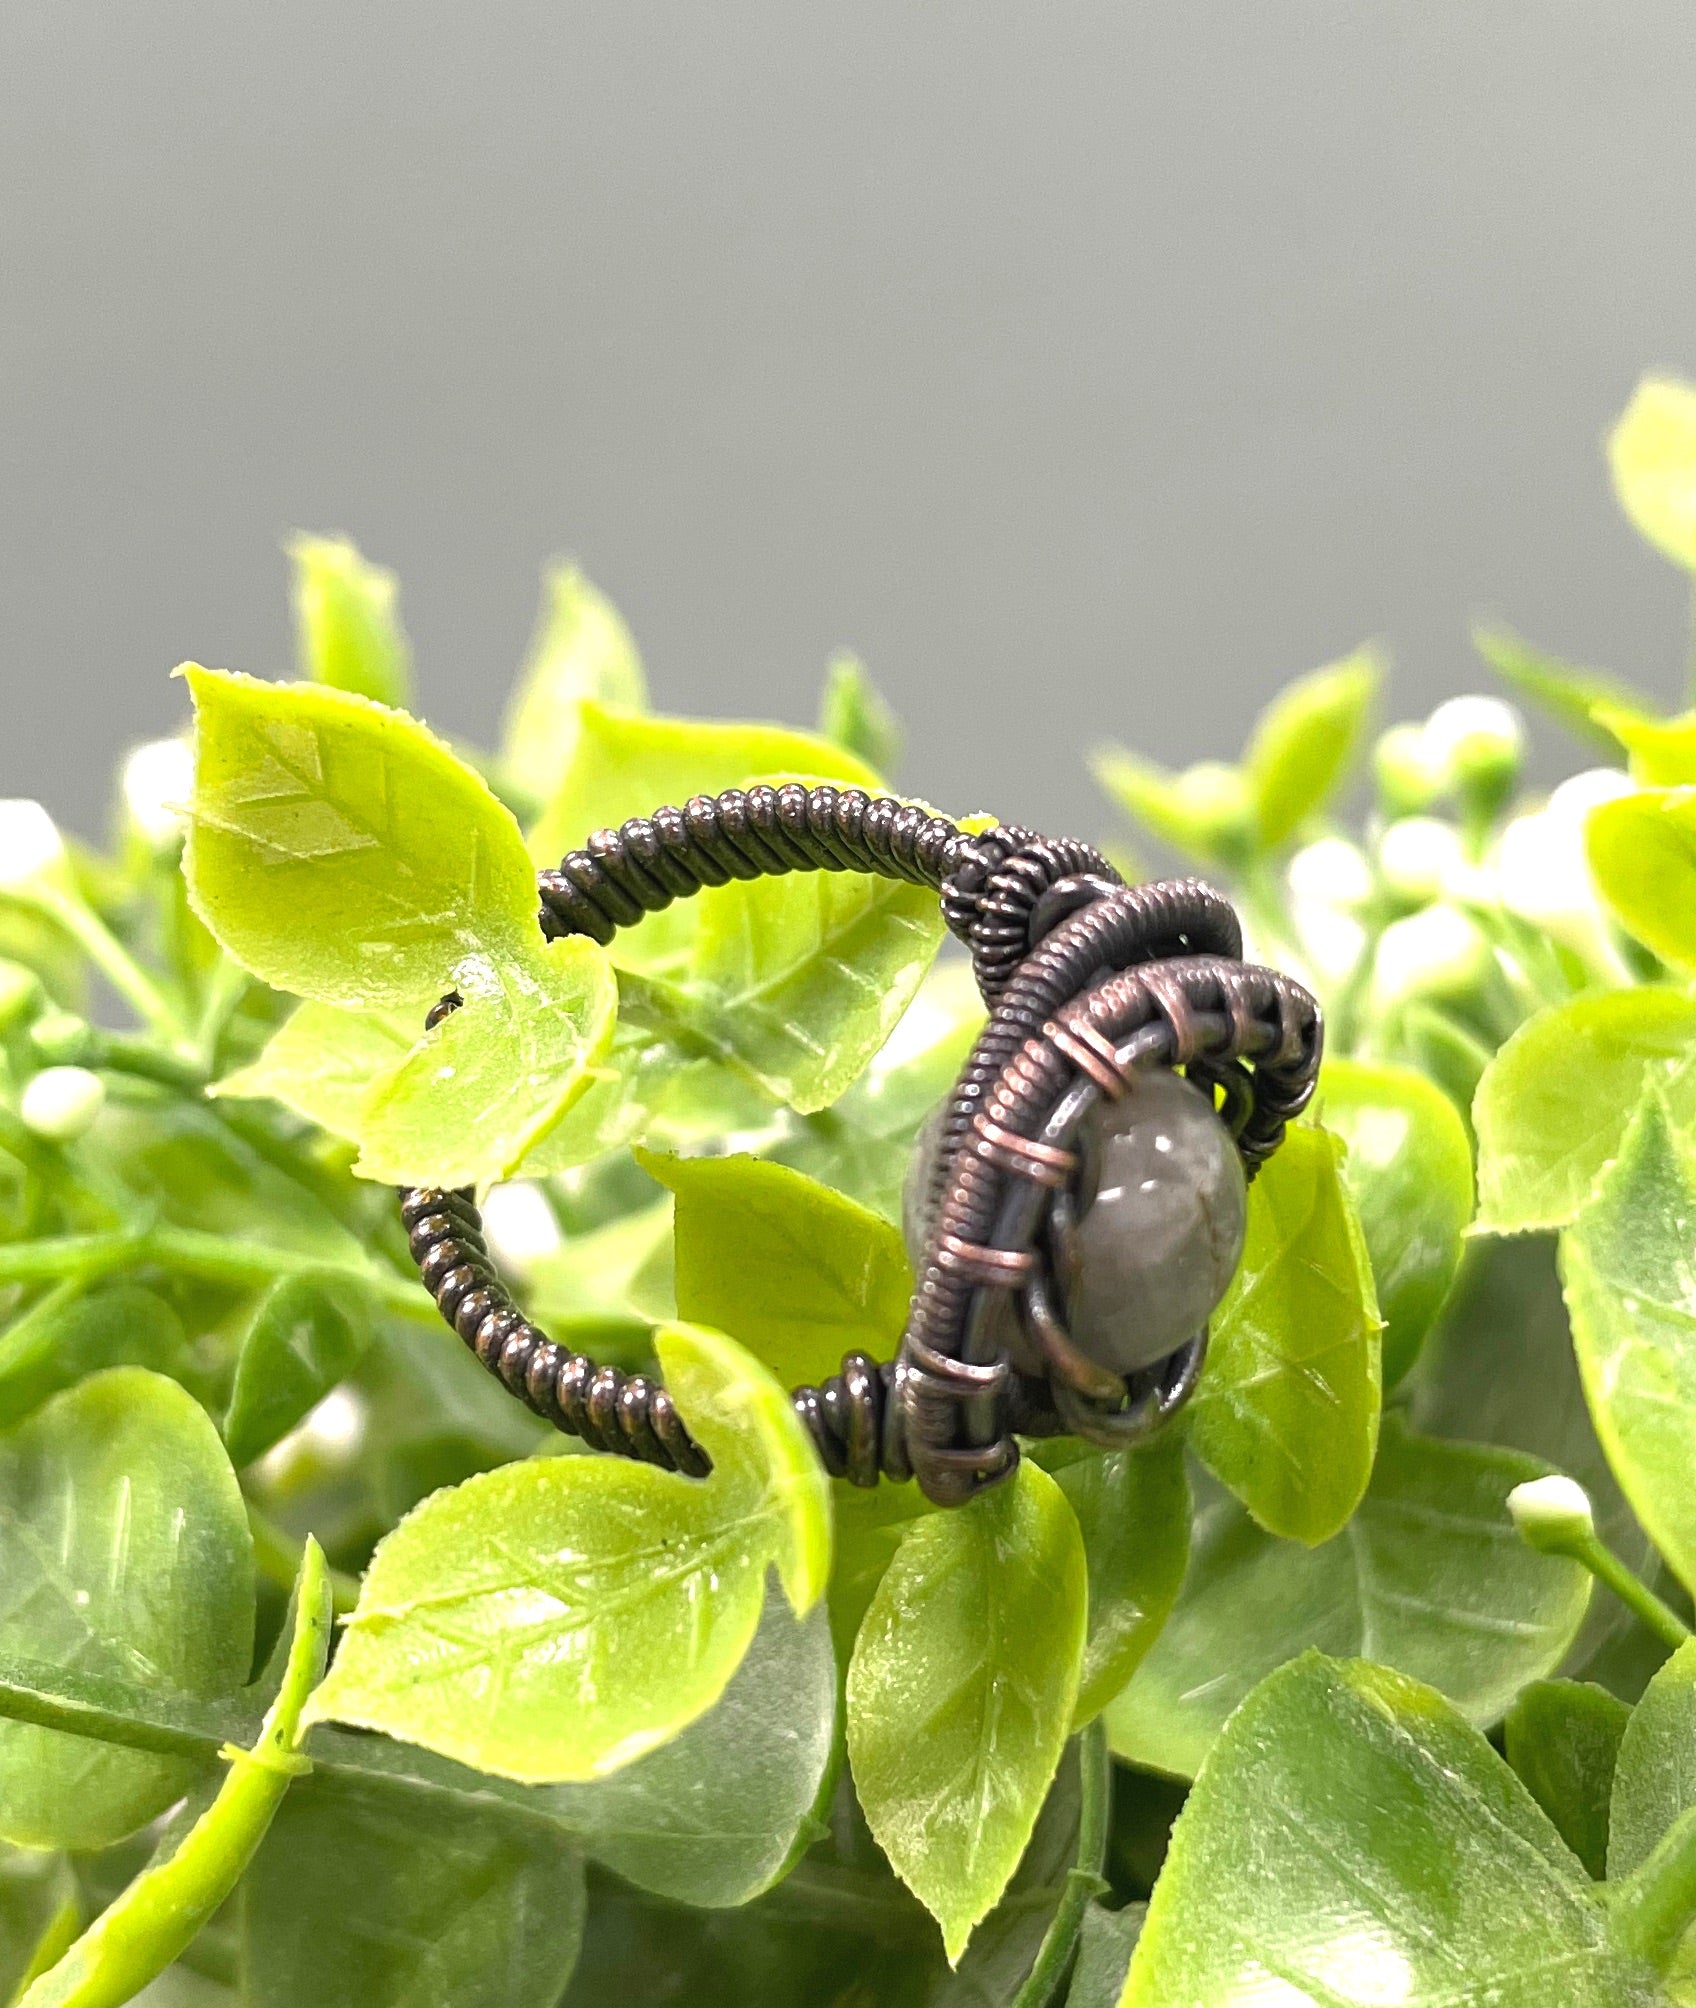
1087, 980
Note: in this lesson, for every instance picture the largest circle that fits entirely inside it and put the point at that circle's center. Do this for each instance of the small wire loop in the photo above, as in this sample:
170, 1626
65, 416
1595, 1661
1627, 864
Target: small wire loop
1090, 1054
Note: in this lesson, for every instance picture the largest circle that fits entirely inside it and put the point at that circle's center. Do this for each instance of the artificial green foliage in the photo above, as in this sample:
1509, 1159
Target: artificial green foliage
1287, 1416
1280, 1705
962, 1687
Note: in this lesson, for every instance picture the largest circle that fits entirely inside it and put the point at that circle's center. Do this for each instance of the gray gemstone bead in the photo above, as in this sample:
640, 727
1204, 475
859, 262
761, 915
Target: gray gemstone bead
1162, 1236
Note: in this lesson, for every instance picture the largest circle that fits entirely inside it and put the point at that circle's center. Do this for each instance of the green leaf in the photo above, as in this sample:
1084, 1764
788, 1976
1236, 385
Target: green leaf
1207, 812
594, 1289
1429, 1577
1108, 1939
1287, 1411
1563, 1738
322, 1060
1585, 701
554, 1620
123, 1549
800, 980
1353, 1841
339, 851
581, 649
961, 1688
854, 714
650, 1088
712, 1818
36, 1892
347, 629
720, 1813
157, 1917
870, 1524
1409, 1172
1662, 750
367, 1898
1652, 454
1654, 1781
1642, 852
624, 765
1631, 1294
1133, 1508
1499, 1369
195, 1170
864, 1143
480, 1090
841, 1929
1553, 1105
307, 1333
791, 1270
1305, 742
66, 1337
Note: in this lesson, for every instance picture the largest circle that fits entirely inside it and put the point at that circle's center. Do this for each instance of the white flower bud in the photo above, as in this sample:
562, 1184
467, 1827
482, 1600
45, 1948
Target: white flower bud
157, 780
519, 1225
1474, 735
32, 852
1421, 858
1332, 872
61, 1103
1542, 875
1408, 779
1553, 1514
1438, 952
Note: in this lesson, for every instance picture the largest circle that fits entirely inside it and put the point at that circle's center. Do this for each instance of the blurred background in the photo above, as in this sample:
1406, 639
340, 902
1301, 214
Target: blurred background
1089, 368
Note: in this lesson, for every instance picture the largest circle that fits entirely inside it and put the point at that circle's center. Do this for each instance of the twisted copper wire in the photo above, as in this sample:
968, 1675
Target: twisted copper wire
1087, 980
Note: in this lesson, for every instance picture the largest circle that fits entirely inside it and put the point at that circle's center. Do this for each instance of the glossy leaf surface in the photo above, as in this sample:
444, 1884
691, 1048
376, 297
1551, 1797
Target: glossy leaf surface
1353, 1841
486, 1085
1563, 1739
1133, 1509
323, 1059
961, 1689
1654, 1781
123, 1549
1631, 1290
1429, 1577
1409, 1172
1287, 1411
339, 851
1553, 1104
1642, 852
793, 1271
605, 1604
800, 980
307, 1332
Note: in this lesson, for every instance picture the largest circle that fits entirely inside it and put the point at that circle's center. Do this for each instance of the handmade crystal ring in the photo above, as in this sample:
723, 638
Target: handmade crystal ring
1076, 1207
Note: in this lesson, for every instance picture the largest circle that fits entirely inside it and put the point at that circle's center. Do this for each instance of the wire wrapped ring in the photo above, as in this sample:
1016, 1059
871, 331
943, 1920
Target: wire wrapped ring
1087, 981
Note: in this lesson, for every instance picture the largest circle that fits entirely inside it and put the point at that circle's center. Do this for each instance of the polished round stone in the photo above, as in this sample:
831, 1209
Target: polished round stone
1161, 1236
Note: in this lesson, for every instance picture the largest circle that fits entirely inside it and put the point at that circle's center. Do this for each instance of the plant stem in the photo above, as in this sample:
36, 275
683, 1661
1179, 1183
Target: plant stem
194, 1253
29, 1693
1083, 1879
277, 1557
119, 967
1652, 1910
1632, 1591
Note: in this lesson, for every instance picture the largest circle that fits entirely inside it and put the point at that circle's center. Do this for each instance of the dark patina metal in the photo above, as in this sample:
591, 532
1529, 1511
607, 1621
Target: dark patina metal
1087, 981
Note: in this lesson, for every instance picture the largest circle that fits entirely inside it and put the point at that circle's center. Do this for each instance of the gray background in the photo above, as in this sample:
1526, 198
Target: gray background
1133, 357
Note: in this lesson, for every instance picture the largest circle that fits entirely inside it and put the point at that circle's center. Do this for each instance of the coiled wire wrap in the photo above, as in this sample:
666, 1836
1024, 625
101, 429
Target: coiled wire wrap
1087, 980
